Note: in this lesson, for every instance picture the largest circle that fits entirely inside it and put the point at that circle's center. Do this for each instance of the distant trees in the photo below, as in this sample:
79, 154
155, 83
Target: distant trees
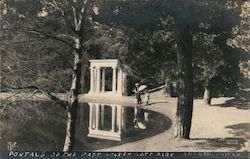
61, 22
241, 40
191, 18
241, 31
177, 40
145, 54
29, 62
208, 62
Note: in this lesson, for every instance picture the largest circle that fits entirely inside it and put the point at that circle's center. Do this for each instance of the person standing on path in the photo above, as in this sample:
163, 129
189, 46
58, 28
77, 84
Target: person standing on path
137, 94
138, 103
147, 97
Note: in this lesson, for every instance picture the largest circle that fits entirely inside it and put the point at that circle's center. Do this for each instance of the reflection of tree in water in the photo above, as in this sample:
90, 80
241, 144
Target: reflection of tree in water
32, 125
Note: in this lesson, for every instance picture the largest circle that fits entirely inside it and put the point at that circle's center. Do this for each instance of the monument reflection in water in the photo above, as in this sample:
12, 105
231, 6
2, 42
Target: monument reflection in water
109, 121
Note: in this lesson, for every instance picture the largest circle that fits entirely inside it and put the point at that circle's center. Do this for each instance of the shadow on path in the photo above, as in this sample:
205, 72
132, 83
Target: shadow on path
239, 103
240, 132
212, 144
242, 129
216, 143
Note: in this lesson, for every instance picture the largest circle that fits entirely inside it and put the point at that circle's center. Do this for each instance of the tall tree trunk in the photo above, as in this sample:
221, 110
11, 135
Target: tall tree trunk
207, 93
166, 90
73, 98
185, 82
85, 83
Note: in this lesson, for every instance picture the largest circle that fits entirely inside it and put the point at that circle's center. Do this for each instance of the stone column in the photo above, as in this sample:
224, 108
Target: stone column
113, 118
91, 80
119, 117
90, 115
119, 82
97, 111
98, 80
124, 83
102, 116
114, 80
103, 79
123, 117
94, 79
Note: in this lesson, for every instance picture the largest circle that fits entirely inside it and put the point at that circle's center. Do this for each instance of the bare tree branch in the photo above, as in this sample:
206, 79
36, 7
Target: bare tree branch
56, 6
48, 94
7, 99
19, 42
45, 35
75, 18
54, 98
66, 36
78, 22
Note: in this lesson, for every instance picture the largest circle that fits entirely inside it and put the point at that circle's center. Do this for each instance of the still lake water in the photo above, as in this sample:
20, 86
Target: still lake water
41, 125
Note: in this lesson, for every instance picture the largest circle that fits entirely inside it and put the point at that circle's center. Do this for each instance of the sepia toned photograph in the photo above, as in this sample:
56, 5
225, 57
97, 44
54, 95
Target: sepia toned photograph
156, 78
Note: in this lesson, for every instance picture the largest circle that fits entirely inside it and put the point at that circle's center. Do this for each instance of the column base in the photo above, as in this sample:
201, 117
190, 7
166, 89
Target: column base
107, 93
100, 134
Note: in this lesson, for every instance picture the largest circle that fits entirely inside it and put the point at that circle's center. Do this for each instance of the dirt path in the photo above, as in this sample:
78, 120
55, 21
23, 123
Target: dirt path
214, 128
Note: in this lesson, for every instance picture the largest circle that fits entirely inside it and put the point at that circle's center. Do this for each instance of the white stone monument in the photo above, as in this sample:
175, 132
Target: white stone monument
106, 121
97, 77
98, 121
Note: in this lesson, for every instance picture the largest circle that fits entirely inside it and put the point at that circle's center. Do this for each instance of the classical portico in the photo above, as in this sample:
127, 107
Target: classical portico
102, 126
97, 77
